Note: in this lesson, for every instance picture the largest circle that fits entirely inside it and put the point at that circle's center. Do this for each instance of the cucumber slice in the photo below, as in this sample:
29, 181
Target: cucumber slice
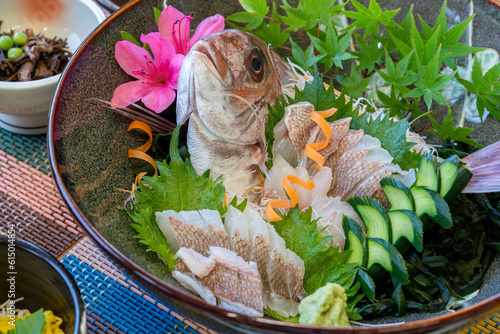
386, 255
398, 194
427, 172
356, 241
373, 215
428, 202
406, 224
453, 177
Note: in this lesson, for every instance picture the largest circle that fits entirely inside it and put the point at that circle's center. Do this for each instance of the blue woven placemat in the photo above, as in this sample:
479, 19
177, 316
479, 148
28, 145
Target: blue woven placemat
115, 300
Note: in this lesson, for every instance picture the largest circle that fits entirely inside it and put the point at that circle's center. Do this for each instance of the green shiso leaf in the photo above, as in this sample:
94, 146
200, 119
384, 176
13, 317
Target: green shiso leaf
322, 263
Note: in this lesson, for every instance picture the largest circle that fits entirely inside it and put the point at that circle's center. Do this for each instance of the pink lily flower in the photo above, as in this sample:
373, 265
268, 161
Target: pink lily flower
156, 76
176, 27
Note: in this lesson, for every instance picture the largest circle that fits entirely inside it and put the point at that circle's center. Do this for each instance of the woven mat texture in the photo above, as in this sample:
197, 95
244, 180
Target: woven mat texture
29, 198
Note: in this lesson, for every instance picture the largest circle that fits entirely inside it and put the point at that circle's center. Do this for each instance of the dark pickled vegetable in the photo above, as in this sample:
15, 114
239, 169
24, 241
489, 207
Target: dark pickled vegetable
36, 56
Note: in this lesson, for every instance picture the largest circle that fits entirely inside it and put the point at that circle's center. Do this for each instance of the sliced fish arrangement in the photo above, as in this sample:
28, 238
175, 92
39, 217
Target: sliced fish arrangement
242, 265
357, 161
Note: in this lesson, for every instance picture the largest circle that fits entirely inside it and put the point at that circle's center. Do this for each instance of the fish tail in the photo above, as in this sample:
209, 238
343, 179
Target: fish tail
485, 167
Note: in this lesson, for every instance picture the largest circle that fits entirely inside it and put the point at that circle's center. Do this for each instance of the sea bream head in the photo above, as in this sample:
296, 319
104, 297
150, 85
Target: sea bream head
225, 85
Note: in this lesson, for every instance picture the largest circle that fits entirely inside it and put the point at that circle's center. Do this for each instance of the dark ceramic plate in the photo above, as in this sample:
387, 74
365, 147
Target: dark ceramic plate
88, 146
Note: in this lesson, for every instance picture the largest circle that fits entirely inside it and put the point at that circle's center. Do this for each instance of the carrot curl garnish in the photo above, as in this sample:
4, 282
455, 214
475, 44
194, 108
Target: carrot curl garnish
292, 194
140, 152
311, 150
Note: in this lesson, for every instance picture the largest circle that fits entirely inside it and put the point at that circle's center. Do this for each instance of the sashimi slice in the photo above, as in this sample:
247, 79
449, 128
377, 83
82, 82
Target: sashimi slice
259, 237
163, 222
196, 263
234, 282
215, 228
236, 225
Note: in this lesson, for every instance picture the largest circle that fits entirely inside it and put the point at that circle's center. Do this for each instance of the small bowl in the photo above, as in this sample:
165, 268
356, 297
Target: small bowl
24, 106
43, 283
112, 5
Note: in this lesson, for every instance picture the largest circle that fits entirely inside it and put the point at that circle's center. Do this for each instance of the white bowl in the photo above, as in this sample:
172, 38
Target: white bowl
24, 106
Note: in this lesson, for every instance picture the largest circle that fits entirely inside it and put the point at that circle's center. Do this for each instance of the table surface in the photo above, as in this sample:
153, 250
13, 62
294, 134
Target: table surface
29, 198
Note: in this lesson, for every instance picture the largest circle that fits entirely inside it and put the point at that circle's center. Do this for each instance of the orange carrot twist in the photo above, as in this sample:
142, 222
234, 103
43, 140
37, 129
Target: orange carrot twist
311, 150
139, 152
287, 203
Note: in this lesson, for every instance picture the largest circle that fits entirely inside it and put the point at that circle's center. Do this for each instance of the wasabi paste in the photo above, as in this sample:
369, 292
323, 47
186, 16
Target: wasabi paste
325, 307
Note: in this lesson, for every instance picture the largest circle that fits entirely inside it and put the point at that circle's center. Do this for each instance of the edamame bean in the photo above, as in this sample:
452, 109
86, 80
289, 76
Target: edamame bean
6, 42
14, 53
20, 38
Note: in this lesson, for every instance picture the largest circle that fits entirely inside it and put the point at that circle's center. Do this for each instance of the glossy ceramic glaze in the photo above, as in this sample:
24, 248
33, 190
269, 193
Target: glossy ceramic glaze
24, 106
88, 146
43, 283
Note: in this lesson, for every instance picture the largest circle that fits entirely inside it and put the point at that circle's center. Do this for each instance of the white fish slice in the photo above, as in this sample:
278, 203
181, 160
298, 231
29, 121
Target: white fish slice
223, 275
215, 228
231, 259
278, 299
259, 251
198, 264
236, 225
186, 229
163, 221
188, 281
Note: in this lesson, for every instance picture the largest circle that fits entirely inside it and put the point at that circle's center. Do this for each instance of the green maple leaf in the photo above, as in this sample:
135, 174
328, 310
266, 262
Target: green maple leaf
254, 13
353, 85
253, 20
255, 6
304, 59
178, 188
431, 81
448, 131
322, 263
486, 87
397, 76
296, 18
397, 104
271, 32
449, 38
370, 18
368, 54
333, 47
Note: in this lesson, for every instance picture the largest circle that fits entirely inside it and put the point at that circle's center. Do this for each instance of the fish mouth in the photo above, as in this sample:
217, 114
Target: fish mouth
206, 52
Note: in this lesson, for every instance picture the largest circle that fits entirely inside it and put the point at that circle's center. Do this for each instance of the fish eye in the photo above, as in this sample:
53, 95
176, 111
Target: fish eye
255, 64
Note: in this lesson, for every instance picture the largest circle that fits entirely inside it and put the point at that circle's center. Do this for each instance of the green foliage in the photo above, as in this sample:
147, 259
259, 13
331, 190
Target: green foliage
453, 264
354, 85
486, 87
392, 136
448, 131
369, 54
178, 188
322, 263
334, 47
32, 324
408, 59
128, 37
370, 18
